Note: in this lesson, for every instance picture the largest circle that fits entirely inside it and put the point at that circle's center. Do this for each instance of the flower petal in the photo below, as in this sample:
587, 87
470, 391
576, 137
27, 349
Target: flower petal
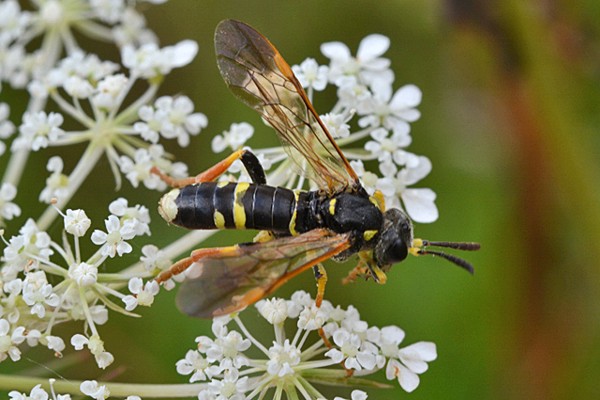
335, 51
372, 47
420, 204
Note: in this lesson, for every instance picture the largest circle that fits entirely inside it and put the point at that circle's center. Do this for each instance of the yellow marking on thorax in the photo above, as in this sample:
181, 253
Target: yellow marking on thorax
222, 184
368, 235
219, 220
378, 200
292, 225
332, 206
239, 214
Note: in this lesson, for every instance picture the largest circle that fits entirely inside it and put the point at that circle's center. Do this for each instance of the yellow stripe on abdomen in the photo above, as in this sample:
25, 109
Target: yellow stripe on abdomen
239, 213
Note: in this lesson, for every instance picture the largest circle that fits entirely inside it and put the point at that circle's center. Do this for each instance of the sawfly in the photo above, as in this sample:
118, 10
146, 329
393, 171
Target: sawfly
299, 229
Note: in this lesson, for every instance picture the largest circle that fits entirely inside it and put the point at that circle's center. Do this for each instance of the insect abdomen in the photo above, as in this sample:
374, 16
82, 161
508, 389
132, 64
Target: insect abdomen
217, 205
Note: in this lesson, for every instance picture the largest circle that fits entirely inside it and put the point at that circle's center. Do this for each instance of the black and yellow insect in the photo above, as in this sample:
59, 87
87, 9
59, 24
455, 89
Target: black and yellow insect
300, 228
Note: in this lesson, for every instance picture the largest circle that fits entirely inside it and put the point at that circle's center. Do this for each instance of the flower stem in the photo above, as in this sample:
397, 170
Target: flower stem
23, 383
81, 171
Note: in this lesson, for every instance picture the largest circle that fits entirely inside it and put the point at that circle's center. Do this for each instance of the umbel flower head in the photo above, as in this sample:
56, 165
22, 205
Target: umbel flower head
348, 351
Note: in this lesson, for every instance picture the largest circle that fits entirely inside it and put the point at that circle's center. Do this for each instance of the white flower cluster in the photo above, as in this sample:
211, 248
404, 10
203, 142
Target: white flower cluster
112, 21
30, 306
111, 126
365, 90
289, 364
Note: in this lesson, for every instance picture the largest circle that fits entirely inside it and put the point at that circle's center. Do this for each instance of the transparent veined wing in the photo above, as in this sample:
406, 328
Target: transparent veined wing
243, 274
259, 76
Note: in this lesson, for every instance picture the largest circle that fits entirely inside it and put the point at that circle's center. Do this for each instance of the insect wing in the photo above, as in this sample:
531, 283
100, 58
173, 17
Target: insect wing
228, 282
259, 76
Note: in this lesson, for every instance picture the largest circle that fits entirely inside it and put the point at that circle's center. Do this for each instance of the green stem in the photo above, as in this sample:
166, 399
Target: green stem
81, 171
24, 384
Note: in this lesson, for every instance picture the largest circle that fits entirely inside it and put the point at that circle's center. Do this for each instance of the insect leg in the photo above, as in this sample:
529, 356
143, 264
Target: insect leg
321, 277
196, 256
253, 167
255, 170
359, 271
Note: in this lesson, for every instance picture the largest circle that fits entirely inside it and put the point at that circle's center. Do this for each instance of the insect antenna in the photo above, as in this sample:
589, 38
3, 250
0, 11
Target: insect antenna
468, 246
420, 245
452, 258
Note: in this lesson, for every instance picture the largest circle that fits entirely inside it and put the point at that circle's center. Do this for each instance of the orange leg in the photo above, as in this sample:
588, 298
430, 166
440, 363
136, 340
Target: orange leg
358, 271
321, 277
207, 176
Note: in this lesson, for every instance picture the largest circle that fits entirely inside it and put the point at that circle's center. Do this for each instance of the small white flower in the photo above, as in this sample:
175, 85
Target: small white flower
234, 138
200, 368
96, 347
231, 387
84, 274
367, 65
413, 361
273, 310
138, 215
10, 340
178, 119
77, 222
138, 170
78, 87
26, 249
355, 353
389, 339
355, 395
109, 11
283, 359
229, 348
154, 258
37, 293
55, 343
37, 393
418, 203
310, 74
8, 209
39, 130
95, 391
143, 294
149, 61
132, 30
312, 317
113, 240
387, 148
393, 113
353, 94
299, 300
13, 21
336, 124
7, 128
57, 184
109, 92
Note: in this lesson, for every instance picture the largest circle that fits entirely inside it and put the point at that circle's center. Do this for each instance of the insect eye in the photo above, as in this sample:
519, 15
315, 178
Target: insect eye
391, 248
396, 251
396, 234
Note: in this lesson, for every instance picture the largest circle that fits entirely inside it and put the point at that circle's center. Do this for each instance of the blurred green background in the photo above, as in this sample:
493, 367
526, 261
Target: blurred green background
510, 120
